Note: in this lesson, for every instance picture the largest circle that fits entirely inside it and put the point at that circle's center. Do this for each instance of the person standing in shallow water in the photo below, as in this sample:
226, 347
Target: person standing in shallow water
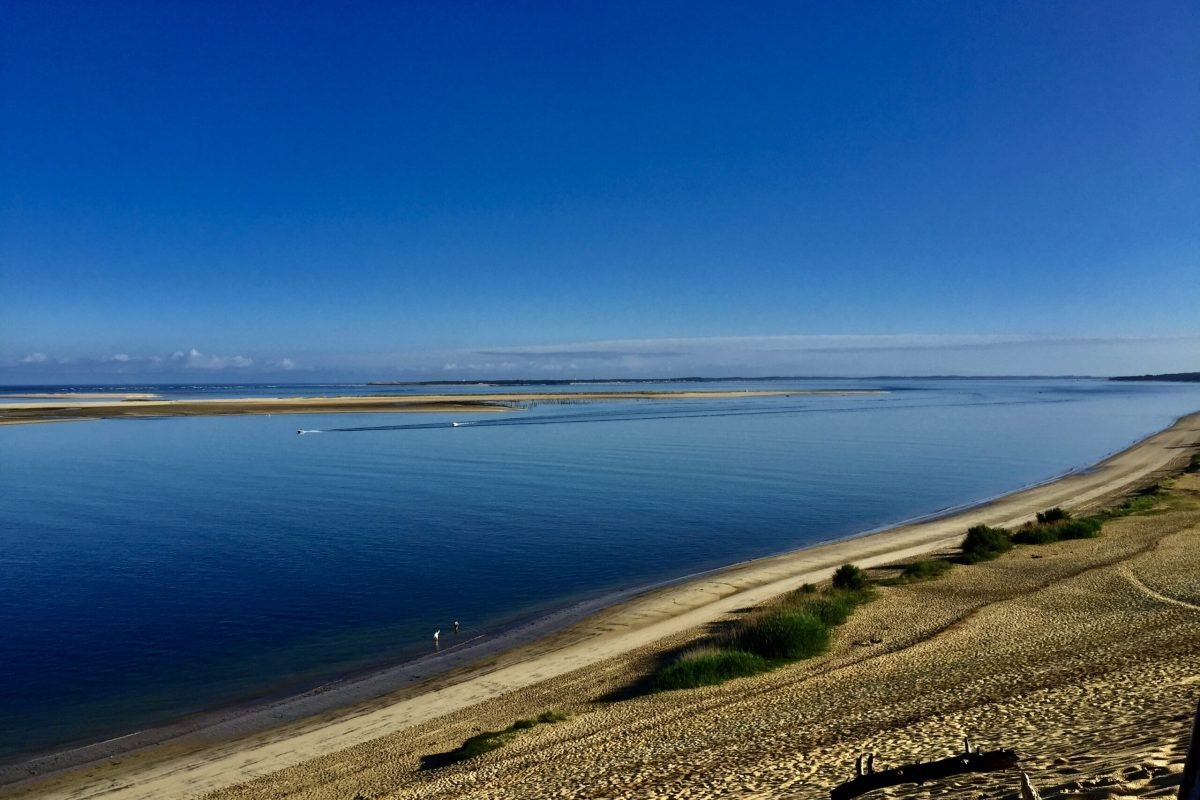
456, 627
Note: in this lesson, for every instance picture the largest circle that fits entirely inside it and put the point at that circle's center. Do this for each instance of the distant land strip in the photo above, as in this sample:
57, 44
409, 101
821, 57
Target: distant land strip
1175, 377
721, 379
19, 413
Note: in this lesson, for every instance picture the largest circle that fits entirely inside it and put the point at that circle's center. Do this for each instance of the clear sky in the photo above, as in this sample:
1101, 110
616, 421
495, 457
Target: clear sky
238, 191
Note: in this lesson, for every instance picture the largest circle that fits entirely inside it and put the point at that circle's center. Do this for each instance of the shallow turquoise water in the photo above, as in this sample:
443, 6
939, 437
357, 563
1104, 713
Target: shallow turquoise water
151, 568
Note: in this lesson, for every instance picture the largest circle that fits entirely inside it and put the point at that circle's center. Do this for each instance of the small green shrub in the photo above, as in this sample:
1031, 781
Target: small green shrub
1055, 514
1193, 464
983, 543
924, 570
849, 577
551, 717
708, 666
783, 634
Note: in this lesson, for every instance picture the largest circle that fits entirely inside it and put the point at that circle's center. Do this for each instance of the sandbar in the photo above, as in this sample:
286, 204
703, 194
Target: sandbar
416, 403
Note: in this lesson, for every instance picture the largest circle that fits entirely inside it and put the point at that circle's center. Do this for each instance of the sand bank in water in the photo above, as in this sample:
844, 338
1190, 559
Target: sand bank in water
443, 403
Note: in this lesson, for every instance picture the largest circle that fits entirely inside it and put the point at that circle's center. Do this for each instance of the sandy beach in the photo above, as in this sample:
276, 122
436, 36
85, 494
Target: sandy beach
1083, 635
88, 407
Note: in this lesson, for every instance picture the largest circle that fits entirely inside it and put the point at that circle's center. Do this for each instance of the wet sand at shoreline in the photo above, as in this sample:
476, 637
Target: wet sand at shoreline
377, 743
430, 403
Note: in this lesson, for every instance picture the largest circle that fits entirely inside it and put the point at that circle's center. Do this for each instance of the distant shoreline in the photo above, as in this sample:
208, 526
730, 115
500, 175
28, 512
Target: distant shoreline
1168, 377
136, 406
722, 379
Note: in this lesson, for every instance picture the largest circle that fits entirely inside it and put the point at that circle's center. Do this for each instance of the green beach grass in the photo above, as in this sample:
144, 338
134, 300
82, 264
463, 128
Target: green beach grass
802, 624
799, 626
924, 570
709, 665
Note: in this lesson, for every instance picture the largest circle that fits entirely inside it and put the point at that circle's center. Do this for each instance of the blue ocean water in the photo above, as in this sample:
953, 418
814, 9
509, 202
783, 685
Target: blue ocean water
154, 568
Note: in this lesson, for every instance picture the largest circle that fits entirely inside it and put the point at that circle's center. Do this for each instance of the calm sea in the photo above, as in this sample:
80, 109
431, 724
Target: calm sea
152, 568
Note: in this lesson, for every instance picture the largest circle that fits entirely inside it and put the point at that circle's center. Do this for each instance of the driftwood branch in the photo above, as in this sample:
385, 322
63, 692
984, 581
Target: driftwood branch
1028, 790
968, 761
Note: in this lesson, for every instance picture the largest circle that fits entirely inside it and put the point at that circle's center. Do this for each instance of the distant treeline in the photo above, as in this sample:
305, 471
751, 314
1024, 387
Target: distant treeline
579, 381
1178, 377
572, 382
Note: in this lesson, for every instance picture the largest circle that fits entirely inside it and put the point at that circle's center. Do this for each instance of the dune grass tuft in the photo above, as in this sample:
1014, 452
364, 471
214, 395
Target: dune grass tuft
1035, 535
783, 633
924, 570
707, 666
1081, 528
831, 609
797, 627
1143, 502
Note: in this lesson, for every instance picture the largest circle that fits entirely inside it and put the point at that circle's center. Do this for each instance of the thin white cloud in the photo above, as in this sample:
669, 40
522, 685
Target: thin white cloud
812, 354
130, 364
194, 359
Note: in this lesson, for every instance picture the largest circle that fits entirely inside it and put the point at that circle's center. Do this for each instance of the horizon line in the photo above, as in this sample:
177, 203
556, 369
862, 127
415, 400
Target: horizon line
570, 381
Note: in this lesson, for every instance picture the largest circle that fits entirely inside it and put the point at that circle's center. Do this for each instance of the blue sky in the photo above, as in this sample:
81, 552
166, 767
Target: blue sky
191, 191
